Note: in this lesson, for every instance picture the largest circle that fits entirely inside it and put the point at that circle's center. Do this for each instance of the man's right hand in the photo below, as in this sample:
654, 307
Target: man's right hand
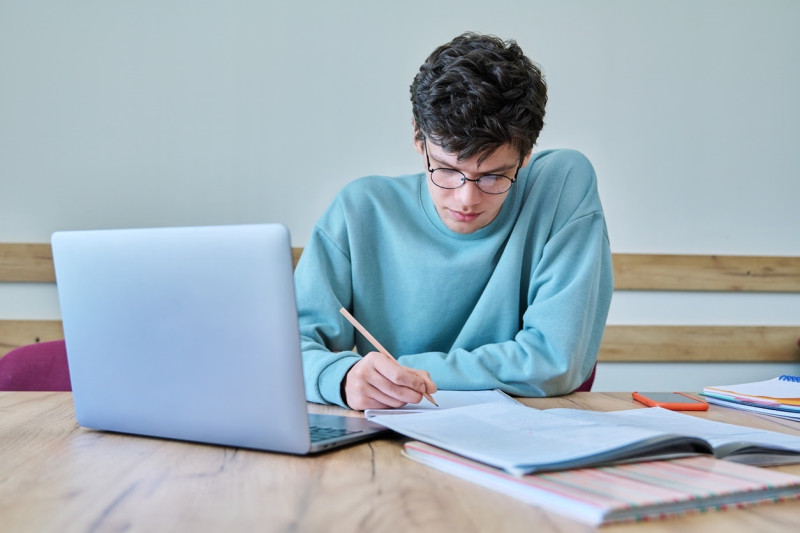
378, 381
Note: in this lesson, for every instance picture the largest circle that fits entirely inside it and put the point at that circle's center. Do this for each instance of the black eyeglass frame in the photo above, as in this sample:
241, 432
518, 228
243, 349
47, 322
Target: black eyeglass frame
465, 179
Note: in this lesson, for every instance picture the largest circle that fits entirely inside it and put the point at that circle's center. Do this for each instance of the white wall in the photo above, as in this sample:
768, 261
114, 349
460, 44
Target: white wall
123, 114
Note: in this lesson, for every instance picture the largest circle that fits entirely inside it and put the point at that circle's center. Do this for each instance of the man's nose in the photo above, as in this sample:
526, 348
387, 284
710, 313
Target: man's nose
469, 193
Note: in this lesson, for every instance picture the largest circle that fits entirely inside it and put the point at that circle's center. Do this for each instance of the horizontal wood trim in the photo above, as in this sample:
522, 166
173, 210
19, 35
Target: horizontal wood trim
26, 262
16, 333
33, 263
700, 344
651, 344
296, 252
730, 273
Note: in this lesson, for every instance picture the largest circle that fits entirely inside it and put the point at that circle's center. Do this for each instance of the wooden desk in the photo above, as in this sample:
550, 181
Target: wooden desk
56, 476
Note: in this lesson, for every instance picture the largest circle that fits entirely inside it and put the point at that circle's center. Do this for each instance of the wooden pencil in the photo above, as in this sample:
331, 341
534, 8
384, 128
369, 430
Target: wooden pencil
376, 344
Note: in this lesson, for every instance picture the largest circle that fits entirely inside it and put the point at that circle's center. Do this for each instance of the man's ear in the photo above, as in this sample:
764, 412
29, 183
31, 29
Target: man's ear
527, 159
417, 143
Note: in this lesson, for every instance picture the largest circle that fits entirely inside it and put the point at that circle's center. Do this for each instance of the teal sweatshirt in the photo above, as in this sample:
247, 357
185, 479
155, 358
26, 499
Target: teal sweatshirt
519, 305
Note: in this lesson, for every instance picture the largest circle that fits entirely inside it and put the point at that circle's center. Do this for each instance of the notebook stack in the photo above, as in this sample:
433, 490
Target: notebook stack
775, 397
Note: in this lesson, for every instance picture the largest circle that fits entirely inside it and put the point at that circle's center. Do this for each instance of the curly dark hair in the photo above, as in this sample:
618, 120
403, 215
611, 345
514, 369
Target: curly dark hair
478, 93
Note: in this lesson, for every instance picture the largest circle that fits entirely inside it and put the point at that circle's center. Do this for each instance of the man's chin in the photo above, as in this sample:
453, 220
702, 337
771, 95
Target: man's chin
457, 226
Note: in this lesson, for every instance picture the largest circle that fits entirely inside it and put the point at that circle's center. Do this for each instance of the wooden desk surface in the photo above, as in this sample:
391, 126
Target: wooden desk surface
56, 476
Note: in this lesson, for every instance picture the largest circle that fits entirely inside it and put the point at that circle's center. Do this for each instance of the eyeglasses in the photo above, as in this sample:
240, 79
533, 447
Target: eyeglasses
450, 178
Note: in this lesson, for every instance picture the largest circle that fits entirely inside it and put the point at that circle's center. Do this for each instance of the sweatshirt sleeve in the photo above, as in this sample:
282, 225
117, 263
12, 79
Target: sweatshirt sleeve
567, 305
322, 282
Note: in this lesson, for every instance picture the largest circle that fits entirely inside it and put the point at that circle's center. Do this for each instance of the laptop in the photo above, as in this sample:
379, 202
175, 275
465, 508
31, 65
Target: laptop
190, 333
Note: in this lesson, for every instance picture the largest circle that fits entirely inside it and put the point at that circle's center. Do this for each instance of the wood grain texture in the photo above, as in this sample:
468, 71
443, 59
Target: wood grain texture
706, 273
621, 343
33, 262
26, 262
762, 344
57, 476
15, 333
296, 253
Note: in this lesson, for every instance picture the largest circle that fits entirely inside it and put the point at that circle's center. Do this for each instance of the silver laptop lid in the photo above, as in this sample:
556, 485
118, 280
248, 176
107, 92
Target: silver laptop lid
187, 333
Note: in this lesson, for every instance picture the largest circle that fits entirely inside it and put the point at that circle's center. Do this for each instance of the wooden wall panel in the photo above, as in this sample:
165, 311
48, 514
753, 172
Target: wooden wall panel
33, 262
622, 343
729, 273
26, 262
15, 333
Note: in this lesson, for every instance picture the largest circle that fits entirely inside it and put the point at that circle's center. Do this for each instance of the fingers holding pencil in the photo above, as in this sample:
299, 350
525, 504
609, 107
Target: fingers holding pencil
395, 374
379, 382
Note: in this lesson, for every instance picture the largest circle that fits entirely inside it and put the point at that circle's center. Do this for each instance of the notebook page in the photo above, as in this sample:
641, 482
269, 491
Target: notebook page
449, 399
515, 437
771, 388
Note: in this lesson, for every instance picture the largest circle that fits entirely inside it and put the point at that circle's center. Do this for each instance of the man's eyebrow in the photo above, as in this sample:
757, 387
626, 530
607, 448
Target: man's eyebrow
497, 170
501, 170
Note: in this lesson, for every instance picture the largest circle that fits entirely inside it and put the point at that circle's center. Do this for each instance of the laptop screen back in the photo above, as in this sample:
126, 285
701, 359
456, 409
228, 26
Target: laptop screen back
187, 333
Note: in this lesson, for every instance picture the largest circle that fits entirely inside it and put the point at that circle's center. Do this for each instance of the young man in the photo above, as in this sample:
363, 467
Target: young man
489, 269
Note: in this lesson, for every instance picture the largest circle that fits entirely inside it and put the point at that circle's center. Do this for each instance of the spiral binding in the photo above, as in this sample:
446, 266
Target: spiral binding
793, 379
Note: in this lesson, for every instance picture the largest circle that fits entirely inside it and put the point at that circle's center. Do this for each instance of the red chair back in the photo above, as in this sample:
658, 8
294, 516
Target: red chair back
36, 367
587, 385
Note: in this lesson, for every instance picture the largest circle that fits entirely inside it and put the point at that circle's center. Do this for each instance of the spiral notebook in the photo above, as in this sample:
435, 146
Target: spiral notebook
775, 397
